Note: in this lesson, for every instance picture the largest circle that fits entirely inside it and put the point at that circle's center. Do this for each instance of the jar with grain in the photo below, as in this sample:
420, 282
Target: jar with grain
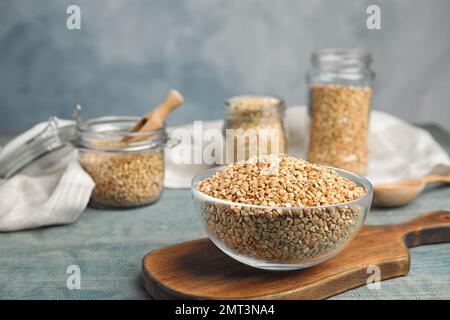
127, 168
253, 126
339, 104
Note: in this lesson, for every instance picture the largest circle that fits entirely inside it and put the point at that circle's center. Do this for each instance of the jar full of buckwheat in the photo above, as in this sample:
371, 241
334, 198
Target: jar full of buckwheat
253, 126
340, 93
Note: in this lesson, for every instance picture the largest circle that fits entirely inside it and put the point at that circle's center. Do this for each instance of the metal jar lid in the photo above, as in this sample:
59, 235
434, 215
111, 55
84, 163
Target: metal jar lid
51, 138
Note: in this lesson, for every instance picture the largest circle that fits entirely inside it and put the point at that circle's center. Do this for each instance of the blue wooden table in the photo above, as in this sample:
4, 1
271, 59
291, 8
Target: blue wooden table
108, 247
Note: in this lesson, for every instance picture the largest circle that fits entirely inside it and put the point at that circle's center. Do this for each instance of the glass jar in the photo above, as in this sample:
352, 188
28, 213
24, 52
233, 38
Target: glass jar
128, 168
339, 104
253, 126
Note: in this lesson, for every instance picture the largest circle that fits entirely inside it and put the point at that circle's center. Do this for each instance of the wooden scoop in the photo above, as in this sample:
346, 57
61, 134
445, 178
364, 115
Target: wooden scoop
404, 191
154, 119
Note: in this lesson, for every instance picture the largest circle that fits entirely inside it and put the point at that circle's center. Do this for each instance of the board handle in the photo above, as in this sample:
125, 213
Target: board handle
428, 228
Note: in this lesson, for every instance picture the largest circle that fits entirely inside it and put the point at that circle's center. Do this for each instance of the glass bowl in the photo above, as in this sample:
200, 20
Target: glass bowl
281, 238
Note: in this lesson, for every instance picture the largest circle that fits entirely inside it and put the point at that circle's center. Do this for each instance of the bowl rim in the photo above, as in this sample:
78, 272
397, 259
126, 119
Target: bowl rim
360, 180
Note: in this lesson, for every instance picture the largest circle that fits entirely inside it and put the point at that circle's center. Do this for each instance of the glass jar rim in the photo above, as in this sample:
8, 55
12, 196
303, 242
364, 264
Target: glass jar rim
92, 133
274, 100
272, 103
339, 57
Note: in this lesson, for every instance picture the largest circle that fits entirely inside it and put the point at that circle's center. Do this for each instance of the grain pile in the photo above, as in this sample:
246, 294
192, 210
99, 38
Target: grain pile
124, 179
252, 115
339, 126
293, 233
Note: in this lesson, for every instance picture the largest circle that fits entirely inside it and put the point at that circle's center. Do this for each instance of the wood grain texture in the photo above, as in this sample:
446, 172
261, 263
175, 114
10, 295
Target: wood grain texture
198, 270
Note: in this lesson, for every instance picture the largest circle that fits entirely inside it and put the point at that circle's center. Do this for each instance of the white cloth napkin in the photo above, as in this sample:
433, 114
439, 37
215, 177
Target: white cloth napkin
54, 190
397, 149
30, 202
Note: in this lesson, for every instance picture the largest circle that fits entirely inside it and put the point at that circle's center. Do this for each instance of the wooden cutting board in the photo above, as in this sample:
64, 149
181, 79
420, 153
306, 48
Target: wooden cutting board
198, 270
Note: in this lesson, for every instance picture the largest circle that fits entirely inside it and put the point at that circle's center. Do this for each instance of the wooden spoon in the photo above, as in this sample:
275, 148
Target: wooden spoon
404, 191
154, 119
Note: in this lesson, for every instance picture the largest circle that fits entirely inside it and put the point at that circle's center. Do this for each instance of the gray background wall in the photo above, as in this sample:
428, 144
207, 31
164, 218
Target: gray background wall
128, 53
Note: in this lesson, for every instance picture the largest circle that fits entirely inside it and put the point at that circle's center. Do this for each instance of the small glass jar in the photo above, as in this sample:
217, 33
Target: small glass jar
253, 126
339, 105
127, 168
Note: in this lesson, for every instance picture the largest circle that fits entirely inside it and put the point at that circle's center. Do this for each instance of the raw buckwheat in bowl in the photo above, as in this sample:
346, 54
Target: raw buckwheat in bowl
279, 212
